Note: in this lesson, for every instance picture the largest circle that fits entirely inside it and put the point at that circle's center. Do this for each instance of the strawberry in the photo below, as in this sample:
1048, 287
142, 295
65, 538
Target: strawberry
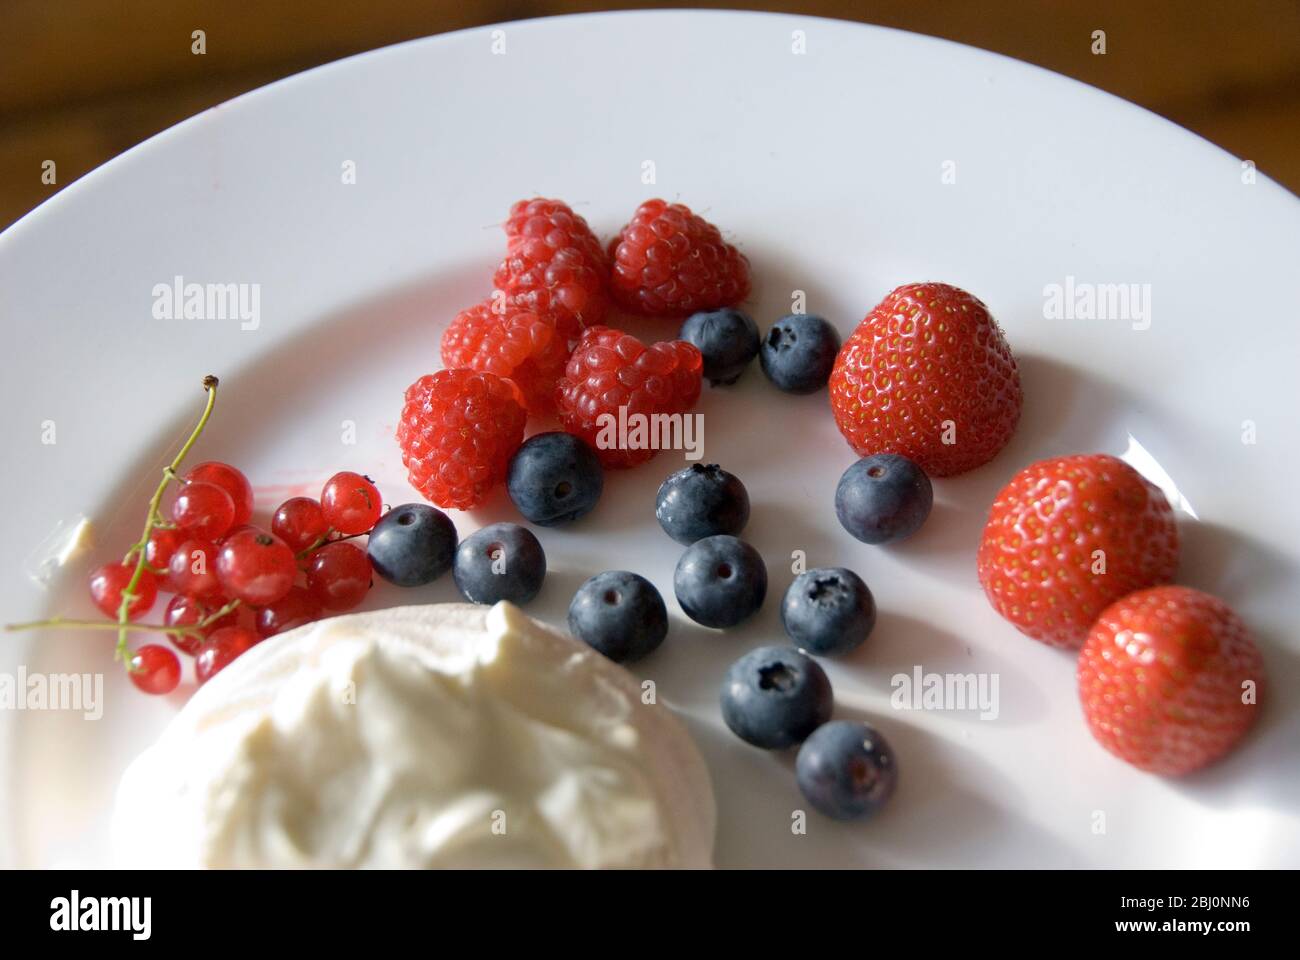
1069, 536
1169, 679
928, 375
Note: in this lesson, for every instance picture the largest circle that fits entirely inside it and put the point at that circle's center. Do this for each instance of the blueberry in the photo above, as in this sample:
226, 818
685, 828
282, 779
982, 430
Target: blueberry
554, 478
503, 561
883, 497
798, 353
846, 770
720, 581
774, 697
828, 611
620, 614
701, 501
412, 545
727, 338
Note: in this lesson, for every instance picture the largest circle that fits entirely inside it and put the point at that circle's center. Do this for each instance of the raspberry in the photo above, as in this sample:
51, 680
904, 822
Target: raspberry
530, 349
610, 369
668, 262
458, 430
554, 265
1069, 536
928, 375
1163, 679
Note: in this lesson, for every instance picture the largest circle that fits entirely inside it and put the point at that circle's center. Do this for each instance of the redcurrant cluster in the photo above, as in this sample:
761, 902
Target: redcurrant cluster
233, 583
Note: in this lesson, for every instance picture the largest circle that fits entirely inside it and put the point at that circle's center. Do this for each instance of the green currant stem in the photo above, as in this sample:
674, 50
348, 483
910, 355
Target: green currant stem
308, 551
63, 623
212, 618
169, 474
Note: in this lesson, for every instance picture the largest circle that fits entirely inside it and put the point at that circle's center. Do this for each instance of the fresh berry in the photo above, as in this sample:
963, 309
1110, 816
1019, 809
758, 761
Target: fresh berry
828, 611
503, 561
774, 697
668, 262
154, 669
232, 481
720, 581
727, 340
554, 265
351, 503
412, 545
109, 582
554, 478
458, 431
701, 501
1169, 679
799, 352
883, 497
300, 523
255, 567
220, 649
1067, 537
339, 576
529, 348
186, 611
203, 510
161, 545
928, 374
297, 607
193, 570
612, 370
620, 614
846, 770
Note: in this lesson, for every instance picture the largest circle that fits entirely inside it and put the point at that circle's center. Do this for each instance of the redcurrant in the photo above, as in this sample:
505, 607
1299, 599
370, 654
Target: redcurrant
108, 582
255, 566
219, 649
185, 611
154, 669
193, 570
295, 608
338, 575
203, 510
300, 522
232, 481
351, 503
161, 545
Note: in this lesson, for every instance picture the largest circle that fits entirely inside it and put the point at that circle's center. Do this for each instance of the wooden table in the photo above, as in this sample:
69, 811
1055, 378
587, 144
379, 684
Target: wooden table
83, 80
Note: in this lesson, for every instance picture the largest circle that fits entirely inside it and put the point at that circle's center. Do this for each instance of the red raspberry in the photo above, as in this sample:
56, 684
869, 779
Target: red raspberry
530, 349
1068, 537
458, 430
669, 262
1169, 679
610, 369
928, 374
554, 265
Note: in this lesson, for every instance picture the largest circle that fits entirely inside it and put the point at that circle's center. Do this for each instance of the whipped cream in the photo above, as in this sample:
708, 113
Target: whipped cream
448, 735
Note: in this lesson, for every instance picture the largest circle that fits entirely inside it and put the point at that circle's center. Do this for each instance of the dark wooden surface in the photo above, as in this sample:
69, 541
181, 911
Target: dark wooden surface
83, 80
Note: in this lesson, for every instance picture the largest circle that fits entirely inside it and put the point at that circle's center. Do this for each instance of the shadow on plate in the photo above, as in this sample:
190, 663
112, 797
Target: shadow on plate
938, 816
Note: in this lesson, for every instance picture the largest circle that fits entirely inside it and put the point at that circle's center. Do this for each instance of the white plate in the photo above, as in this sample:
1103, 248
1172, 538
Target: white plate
828, 168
